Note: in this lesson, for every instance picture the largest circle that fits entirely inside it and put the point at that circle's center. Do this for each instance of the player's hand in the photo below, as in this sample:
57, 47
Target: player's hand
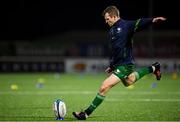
108, 70
157, 19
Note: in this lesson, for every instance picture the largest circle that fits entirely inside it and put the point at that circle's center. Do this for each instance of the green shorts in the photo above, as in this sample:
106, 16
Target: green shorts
123, 71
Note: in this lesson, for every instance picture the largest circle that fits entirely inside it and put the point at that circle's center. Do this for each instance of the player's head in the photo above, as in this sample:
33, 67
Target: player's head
111, 15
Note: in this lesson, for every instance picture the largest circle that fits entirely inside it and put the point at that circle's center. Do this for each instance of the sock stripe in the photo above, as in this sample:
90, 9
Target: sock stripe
137, 75
100, 96
93, 105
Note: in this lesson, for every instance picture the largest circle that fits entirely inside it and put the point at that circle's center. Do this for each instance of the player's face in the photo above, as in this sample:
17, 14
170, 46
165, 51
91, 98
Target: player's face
110, 20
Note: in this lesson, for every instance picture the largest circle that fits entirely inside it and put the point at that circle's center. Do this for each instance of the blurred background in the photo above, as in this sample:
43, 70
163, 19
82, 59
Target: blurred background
71, 36
58, 49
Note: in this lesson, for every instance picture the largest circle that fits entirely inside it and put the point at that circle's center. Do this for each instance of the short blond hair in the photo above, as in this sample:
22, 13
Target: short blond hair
112, 10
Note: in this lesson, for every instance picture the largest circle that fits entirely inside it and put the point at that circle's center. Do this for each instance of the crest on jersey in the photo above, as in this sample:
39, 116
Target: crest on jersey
119, 30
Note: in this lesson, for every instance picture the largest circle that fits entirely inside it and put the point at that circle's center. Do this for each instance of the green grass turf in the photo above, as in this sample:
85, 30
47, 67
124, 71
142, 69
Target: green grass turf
149, 100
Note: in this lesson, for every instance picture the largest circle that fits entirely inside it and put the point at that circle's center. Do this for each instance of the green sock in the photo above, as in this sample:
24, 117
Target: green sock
96, 102
143, 71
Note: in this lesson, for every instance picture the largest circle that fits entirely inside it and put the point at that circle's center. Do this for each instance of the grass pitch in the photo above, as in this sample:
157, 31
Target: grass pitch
29, 97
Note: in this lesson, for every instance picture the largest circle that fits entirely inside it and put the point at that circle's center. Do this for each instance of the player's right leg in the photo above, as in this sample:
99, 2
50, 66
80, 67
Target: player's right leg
107, 84
80, 115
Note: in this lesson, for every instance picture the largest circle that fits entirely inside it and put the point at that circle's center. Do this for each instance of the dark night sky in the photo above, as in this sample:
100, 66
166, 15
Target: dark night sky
28, 19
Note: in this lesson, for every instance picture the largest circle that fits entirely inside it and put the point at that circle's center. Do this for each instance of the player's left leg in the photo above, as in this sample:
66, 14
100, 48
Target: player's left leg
136, 75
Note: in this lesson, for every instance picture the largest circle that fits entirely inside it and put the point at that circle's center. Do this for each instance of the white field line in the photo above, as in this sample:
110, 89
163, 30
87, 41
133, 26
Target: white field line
93, 93
144, 100
85, 93
46, 93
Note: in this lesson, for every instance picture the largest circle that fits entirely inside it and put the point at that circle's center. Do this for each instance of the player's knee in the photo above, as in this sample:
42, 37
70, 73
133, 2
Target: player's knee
103, 89
127, 82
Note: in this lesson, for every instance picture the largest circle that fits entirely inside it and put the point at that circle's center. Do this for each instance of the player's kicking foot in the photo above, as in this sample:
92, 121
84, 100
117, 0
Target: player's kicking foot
157, 71
80, 115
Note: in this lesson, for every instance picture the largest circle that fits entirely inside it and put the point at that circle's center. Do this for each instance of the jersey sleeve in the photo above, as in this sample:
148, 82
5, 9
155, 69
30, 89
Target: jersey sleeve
142, 23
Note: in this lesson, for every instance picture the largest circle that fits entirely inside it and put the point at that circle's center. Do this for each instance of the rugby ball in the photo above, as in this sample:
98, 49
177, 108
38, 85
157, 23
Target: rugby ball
59, 108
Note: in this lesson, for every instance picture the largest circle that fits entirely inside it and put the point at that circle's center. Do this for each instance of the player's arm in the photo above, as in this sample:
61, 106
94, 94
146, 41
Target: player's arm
142, 23
158, 19
111, 67
108, 70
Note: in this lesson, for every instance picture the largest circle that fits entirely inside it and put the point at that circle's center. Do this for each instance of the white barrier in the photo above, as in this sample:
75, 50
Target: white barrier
90, 65
85, 65
72, 65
